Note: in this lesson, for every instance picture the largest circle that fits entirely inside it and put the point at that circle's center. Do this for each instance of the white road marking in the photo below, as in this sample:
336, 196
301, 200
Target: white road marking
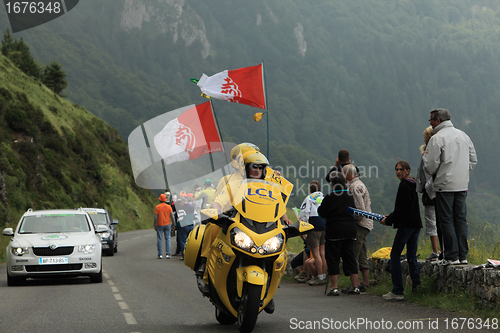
118, 297
130, 318
114, 289
123, 305
106, 275
111, 283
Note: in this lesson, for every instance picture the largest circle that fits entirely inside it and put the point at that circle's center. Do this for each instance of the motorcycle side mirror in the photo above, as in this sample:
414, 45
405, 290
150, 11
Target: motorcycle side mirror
297, 229
212, 215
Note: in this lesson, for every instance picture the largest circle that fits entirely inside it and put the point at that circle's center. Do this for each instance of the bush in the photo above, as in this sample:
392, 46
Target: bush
16, 119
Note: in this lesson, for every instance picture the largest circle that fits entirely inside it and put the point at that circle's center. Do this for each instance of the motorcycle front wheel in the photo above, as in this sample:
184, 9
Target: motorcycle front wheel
249, 308
223, 318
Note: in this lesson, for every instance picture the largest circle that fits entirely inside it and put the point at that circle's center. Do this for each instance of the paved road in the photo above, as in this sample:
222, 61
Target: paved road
143, 294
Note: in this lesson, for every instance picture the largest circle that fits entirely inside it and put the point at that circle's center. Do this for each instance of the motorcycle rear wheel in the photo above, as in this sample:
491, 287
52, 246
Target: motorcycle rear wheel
223, 318
249, 308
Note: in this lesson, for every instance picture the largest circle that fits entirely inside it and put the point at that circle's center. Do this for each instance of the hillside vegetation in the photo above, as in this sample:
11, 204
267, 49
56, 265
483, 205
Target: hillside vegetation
55, 154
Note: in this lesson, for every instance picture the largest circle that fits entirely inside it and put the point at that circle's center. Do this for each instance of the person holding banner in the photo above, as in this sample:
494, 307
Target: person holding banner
340, 234
405, 218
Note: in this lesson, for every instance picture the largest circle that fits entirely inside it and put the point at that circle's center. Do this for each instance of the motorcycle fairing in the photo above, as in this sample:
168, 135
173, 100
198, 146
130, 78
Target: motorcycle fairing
191, 252
251, 274
259, 200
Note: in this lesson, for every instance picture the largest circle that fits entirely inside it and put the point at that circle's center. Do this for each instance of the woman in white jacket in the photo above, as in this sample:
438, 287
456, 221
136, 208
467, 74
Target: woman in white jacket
315, 238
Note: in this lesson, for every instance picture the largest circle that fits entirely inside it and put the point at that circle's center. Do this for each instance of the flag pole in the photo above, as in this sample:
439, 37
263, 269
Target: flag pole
220, 135
267, 107
151, 155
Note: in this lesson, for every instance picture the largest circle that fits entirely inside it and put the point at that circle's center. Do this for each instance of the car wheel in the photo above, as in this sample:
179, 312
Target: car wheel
111, 252
116, 248
15, 281
96, 278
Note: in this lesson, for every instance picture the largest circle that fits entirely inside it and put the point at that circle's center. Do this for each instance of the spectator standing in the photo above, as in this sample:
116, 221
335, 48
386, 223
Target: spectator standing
449, 158
405, 218
162, 226
207, 195
424, 186
316, 237
340, 234
185, 223
363, 225
343, 159
197, 204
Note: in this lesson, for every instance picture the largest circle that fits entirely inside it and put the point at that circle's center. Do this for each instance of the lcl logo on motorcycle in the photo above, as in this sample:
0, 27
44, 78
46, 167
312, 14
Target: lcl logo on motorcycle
219, 246
261, 192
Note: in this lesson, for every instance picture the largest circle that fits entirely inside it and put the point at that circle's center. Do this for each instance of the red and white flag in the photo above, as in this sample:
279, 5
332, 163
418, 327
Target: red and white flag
243, 85
189, 136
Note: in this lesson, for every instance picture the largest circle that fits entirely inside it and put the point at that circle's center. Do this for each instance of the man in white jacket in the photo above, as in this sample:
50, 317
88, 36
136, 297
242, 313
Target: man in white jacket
450, 157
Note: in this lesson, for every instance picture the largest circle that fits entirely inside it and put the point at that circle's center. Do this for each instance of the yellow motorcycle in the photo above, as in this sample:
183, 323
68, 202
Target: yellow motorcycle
248, 257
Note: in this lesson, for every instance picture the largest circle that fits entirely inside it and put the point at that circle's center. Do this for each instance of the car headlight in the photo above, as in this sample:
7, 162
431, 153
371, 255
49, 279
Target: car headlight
19, 251
273, 244
106, 235
89, 248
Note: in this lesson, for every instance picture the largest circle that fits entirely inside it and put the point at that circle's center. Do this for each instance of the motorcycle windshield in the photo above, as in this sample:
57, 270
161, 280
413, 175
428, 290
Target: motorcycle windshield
260, 200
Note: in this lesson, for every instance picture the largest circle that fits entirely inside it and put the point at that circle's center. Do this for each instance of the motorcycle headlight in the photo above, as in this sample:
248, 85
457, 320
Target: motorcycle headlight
273, 244
19, 251
242, 240
89, 248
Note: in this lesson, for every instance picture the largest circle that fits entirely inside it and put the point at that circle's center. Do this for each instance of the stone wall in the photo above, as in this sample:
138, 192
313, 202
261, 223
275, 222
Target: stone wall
484, 282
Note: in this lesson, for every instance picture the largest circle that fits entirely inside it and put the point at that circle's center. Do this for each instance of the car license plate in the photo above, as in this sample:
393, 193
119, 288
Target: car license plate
55, 260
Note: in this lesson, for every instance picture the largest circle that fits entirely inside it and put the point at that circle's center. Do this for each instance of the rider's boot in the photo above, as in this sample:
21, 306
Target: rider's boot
270, 307
200, 272
201, 268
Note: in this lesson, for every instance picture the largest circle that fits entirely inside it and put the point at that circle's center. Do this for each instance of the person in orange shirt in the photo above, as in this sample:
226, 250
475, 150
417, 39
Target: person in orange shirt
162, 225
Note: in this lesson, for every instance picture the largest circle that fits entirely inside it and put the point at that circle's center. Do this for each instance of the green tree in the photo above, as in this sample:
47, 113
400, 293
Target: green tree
54, 77
19, 52
6, 42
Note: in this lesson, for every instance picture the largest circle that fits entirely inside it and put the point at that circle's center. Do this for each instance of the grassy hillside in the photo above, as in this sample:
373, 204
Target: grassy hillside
55, 154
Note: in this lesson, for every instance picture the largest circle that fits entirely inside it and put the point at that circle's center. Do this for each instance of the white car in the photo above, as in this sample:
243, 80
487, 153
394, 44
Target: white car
48, 243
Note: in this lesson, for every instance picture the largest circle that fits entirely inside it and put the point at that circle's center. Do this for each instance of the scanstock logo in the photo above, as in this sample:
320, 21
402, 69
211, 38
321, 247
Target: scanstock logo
231, 88
185, 138
28, 14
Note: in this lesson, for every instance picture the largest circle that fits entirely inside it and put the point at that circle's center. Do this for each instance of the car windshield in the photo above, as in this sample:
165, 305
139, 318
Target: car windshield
97, 218
52, 223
